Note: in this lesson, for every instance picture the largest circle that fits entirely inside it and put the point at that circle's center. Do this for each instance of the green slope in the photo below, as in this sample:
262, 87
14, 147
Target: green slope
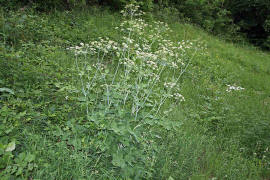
222, 135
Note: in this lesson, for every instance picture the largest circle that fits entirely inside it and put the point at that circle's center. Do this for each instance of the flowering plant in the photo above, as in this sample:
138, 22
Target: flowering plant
126, 83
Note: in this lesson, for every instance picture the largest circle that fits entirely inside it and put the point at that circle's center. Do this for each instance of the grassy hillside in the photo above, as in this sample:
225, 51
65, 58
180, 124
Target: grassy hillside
100, 112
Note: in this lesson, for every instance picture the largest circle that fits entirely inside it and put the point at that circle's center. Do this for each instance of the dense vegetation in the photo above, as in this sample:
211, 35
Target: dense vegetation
97, 94
233, 19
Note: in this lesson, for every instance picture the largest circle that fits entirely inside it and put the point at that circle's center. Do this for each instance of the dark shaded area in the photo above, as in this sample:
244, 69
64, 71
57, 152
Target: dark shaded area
232, 19
253, 18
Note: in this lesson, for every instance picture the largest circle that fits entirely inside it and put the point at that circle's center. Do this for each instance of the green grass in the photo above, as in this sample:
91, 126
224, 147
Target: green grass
223, 135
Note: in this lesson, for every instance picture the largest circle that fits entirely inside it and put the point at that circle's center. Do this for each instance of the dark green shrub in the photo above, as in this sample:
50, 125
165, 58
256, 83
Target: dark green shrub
14, 4
167, 14
48, 5
209, 14
253, 18
119, 4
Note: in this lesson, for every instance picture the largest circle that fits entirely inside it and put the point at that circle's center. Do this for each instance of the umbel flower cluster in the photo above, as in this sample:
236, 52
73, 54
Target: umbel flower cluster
135, 77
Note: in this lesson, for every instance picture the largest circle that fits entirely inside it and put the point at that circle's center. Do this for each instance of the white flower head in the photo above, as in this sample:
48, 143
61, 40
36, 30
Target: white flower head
234, 88
179, 97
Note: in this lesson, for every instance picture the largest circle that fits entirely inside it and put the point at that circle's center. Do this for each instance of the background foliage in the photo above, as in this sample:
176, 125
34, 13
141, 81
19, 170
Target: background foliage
253, 18
44, 134
229, 18
233, 18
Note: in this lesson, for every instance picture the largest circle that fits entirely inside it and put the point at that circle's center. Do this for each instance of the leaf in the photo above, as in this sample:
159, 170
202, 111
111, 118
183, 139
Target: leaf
30, 157
19, 172
11, 147
30, 166
118, 160
149, 105
58, 85
82, 99
115, 128
7, 90
165, 124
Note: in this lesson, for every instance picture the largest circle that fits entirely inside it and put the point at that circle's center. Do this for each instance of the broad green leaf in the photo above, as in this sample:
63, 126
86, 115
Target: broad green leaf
30, 157
118, 160
11, 147
7, 90
82, 99
19, 172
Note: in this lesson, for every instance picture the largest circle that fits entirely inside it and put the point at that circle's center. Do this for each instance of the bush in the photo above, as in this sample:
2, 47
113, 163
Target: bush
69, 4
47, 5
210, 15
18, 27
253, 18
146, 5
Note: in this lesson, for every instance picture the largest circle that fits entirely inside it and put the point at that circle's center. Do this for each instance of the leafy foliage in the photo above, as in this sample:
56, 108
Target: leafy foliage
211, 15
46, 131
253, 18
231, 19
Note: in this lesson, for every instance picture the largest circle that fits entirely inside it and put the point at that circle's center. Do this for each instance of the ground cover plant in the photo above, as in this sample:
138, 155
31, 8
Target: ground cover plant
95, 95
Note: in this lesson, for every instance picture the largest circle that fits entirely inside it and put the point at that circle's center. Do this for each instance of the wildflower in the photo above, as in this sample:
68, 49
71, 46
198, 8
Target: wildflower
233, 88
169, 84
174, 65
125, 46
179, 97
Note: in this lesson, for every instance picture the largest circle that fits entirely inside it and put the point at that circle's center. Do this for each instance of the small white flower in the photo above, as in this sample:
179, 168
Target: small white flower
234, 88
179, 97
174, 65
